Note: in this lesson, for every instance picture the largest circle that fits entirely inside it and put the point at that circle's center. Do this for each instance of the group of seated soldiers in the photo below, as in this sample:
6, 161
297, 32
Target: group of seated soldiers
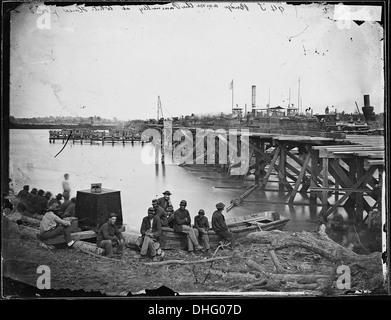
36, 202
162, 214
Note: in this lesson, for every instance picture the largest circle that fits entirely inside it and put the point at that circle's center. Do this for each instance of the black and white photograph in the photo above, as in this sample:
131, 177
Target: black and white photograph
194, 149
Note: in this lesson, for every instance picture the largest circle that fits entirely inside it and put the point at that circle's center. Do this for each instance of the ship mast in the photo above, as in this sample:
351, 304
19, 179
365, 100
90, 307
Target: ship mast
298, 98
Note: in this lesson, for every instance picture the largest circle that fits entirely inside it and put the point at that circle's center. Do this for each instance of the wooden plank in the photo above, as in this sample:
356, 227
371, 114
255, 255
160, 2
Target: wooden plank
281, 170
314, 176
300, 178
336, 185
289, 175
330, 151
270, 169
374, 162
371, 154
75, 236
325, 180
359, 197
301, 163
360, 181
339, 174
340, 146
282, 180
343, 190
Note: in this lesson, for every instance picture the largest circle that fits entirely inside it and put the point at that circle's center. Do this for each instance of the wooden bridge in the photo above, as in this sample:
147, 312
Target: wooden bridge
335, 172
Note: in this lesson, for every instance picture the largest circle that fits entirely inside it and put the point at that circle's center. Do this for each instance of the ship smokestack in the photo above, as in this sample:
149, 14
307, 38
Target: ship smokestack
367, 109
253, 98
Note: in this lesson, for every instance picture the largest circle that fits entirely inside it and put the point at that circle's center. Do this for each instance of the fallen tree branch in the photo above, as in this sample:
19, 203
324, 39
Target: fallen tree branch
161, 263
366, 270
276, 262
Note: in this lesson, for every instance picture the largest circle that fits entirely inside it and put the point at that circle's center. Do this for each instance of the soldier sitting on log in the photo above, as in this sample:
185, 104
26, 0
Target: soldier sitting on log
150, 232
159, 211
52, 226
202, 225
182, 224
220, 227
170, 217
165, 201
109, 236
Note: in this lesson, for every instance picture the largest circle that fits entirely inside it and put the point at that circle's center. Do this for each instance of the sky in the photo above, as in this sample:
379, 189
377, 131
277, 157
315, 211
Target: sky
111, 62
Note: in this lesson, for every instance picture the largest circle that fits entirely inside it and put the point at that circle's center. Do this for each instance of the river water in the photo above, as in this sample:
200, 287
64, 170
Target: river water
124, 168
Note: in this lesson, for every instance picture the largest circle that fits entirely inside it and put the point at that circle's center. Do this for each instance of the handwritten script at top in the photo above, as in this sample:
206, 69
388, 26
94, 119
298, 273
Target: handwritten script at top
232, 7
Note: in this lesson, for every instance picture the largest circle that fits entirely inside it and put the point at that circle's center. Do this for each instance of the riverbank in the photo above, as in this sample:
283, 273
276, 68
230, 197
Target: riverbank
263, 262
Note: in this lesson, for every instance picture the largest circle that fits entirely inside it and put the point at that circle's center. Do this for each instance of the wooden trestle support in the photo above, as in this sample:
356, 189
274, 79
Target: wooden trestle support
323, 167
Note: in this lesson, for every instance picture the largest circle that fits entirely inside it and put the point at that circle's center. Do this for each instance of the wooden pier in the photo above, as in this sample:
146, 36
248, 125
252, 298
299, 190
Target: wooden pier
94, 136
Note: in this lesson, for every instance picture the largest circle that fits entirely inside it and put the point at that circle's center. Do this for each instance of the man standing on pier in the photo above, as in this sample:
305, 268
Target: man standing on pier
220, 227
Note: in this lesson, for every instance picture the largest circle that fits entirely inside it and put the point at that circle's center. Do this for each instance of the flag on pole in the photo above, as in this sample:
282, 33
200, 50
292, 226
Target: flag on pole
231, 86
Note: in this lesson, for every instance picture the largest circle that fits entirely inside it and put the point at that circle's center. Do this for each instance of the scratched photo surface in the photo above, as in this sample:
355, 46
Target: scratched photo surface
274, 110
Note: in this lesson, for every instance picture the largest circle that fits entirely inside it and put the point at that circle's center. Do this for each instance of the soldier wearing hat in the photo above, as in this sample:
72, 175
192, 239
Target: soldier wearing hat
165, 201
170, 217
109, 236
220, 227
182, 224
202, 225
159, 211
150, 230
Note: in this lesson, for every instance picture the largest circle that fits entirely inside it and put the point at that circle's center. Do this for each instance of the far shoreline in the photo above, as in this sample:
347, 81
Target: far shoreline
60, 126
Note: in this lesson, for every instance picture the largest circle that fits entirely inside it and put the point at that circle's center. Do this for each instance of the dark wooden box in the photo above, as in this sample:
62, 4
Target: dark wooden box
93, 209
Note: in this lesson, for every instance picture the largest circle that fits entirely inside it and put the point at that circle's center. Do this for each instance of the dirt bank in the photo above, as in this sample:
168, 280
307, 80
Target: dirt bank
252, 266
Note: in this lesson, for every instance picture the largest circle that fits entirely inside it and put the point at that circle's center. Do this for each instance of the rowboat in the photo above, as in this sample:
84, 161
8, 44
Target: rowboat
240, 226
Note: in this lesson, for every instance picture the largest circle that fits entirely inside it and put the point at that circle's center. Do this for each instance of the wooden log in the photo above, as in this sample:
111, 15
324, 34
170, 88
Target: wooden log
366, 270
32, 233
241, 197
82, 235
161, 263
87, 246
299, 278
257, 267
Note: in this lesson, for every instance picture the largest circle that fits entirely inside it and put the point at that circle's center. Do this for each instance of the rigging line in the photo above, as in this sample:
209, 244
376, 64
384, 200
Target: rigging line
167, 111
64, 144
